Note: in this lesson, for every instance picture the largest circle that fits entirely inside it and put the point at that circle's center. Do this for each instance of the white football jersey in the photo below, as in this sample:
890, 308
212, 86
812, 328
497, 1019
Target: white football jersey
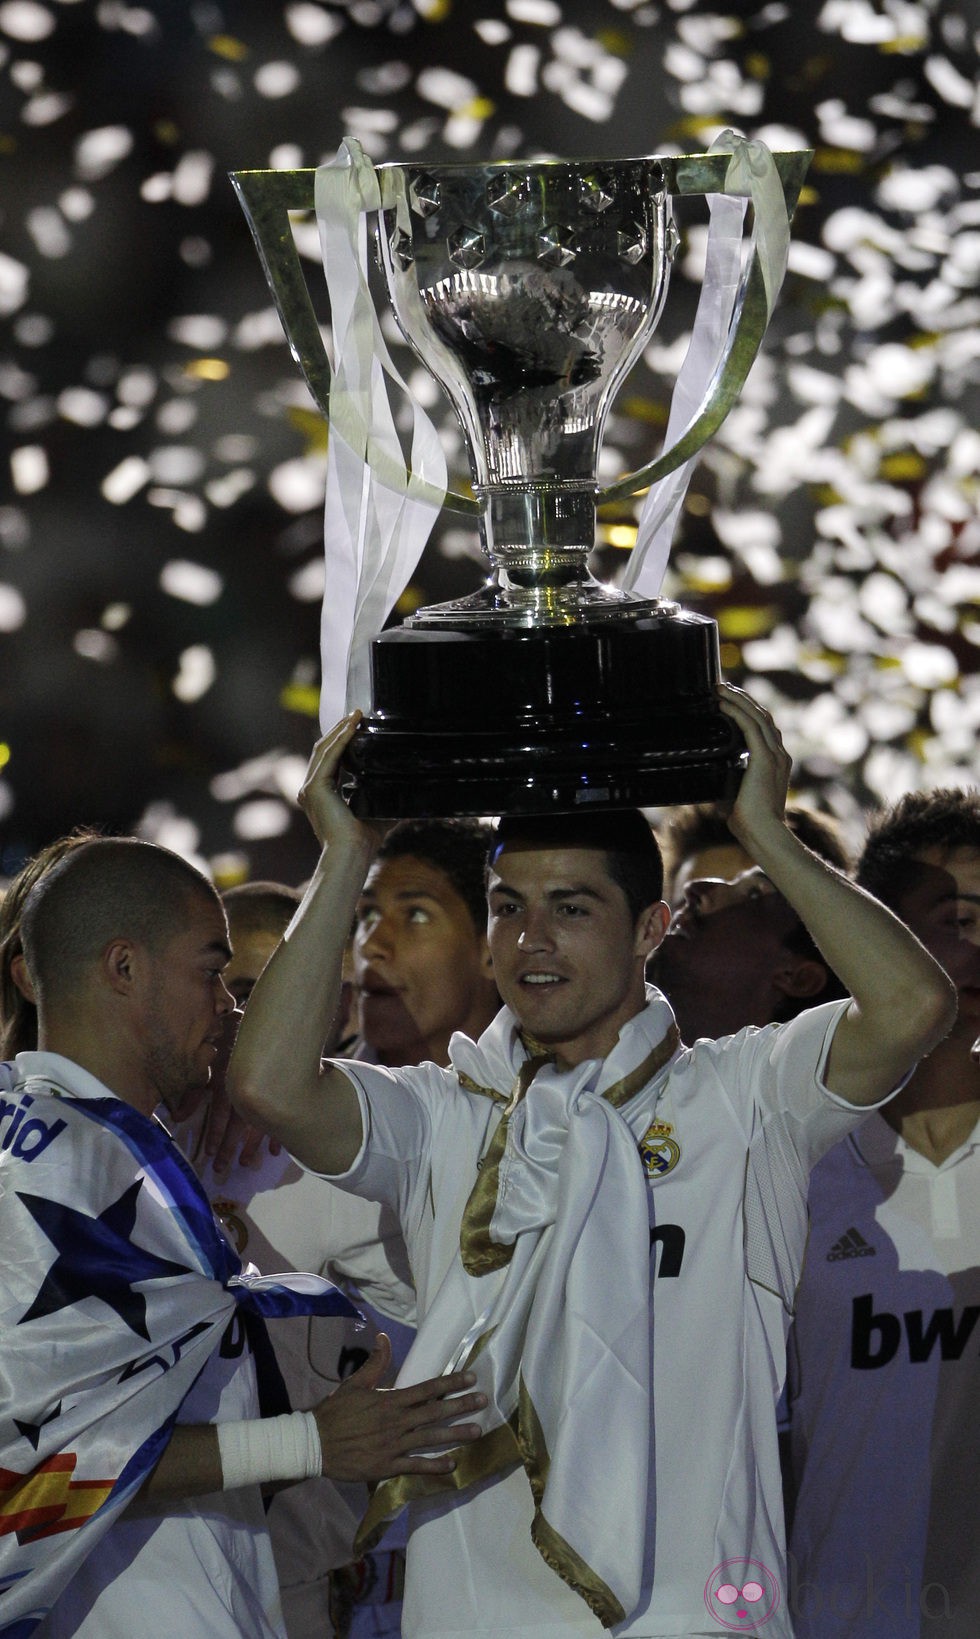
884, 1385
727, 1154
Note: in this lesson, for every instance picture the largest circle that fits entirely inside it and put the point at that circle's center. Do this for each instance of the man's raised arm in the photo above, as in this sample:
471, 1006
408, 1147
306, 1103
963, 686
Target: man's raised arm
902, 1002
275, 1078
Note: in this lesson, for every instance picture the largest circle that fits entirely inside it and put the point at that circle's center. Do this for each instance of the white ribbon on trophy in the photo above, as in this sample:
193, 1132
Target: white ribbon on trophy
751, 174
379, 512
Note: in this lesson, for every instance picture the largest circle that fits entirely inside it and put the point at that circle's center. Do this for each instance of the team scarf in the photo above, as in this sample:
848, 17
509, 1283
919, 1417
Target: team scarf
116, 1287
548, 1302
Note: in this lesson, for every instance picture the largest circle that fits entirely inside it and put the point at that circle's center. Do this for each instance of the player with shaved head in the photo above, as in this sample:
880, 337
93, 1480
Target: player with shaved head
132, 1441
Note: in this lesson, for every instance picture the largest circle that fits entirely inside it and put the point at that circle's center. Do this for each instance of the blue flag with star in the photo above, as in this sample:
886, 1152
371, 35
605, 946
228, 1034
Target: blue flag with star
116, 1285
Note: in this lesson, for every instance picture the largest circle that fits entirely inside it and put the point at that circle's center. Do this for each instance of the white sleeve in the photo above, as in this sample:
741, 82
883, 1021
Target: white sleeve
784, 1078
773, 1078
394, 1161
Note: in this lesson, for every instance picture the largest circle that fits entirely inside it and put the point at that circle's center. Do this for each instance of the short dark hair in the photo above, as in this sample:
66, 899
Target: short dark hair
260, 907
944, 819
19, 1016
632, 852
456, 847
696, 826
105, 889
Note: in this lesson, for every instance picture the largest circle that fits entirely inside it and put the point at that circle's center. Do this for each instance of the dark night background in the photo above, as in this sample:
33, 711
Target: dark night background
160, 524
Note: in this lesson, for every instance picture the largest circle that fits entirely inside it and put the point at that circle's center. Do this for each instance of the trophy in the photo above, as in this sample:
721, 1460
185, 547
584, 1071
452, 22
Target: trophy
529, 290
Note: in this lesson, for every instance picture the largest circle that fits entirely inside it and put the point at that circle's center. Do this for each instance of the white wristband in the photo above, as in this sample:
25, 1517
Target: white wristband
269, 1448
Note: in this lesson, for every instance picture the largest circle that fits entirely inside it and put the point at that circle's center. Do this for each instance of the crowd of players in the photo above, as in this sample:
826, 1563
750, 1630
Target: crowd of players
806, 1217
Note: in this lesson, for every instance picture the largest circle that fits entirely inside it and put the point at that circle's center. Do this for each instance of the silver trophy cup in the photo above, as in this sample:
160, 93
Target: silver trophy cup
529, 290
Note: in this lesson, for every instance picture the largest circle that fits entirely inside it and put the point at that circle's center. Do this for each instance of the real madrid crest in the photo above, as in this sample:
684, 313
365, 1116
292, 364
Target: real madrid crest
227, 1214
659, 1152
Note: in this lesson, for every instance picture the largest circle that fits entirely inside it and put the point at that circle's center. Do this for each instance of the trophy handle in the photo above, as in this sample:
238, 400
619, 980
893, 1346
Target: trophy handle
706, 174
267, 197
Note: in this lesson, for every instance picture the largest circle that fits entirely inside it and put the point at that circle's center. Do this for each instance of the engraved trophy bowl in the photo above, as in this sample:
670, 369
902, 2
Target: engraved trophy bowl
529, 290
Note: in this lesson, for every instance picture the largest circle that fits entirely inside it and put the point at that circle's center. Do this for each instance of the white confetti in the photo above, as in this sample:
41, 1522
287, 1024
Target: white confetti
205, 331
46, 108
14, 284
137, 387
13, 608
177, 416
845, 130
543, 13
276, 80
311, 25
225, 491
98, 152
29, 469
254, 821
93, 644
160, 823
196, 675
176, 464
523, 64
76, 204
191, 182
82, 406
952, 86
298, 485
15, 530
26, 21
188, 512
191, 582
126, 480
275, 772
492, 31
928, 665
445, 88
48, 229
907, 188
307, 584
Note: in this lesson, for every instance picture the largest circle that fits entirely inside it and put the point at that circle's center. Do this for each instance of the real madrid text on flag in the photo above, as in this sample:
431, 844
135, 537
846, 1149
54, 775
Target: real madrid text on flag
115, 1288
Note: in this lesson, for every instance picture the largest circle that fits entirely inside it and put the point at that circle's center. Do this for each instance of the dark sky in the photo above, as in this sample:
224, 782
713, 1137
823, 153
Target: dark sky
152, 415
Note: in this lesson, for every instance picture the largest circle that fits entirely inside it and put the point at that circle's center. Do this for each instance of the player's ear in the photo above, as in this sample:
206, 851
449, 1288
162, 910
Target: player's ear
21, 977
801, 977
651, 925
486, 960
121, 965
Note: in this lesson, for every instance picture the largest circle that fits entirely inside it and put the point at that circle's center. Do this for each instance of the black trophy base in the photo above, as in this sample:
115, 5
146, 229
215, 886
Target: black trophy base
516, 720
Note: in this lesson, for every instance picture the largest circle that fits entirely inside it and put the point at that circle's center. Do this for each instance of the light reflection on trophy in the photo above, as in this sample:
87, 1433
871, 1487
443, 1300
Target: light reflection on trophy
529, 290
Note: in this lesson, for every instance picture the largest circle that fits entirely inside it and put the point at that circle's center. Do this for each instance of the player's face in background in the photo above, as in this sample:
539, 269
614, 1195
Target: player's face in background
719, 908
722, 959
943, 910
250, 950
421, 966
724, 860
567, 954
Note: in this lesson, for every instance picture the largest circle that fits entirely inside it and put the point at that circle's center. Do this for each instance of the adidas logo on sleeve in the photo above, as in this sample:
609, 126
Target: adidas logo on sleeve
850, 1245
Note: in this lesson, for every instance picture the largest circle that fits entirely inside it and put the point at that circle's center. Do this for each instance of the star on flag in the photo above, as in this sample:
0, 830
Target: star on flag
97, 1258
